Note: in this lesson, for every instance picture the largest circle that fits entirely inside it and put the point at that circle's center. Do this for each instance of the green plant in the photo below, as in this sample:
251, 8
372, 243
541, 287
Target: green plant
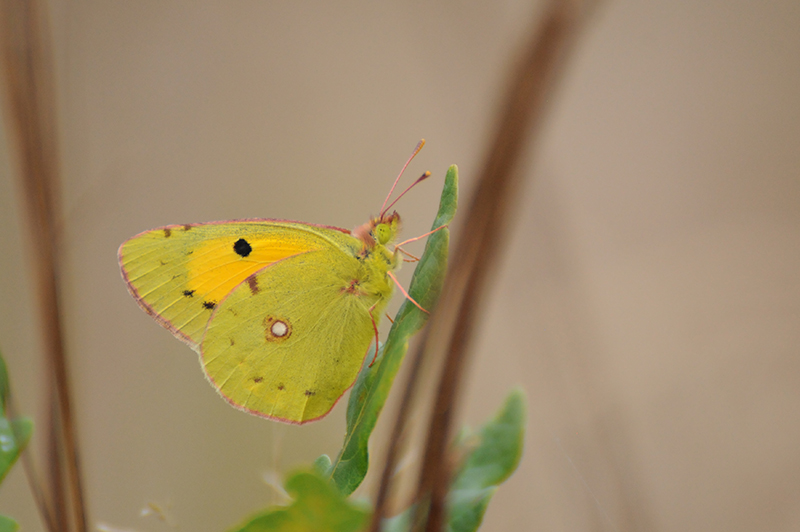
15, 432
320, 493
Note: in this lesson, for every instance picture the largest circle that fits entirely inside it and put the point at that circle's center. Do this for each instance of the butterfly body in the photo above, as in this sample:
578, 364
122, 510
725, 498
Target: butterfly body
281, 313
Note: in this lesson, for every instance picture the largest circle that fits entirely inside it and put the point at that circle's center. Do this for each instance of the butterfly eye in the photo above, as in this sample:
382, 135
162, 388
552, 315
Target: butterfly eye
382, 233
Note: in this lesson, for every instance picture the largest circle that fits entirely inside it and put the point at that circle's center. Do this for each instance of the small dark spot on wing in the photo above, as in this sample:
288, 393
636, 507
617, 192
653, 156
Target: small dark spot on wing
242, 247
252, 282
209, 304
281, 387
188, 293
258, 379
309, 393
167, 232
187, 227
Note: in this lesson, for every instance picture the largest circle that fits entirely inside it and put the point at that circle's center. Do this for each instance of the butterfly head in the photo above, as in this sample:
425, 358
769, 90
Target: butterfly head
385, 228
379, 230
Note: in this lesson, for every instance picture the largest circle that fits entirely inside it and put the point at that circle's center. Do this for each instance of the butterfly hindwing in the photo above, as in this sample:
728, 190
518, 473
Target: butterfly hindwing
290, 339
179, 273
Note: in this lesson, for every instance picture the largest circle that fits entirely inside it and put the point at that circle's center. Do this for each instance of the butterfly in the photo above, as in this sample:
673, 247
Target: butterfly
281, 313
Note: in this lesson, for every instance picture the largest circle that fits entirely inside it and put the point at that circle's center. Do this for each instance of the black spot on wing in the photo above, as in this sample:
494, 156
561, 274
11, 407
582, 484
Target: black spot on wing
209, 304
188, 293
242, 247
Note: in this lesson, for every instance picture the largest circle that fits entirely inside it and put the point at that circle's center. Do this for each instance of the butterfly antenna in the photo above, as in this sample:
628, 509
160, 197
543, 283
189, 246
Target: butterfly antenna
423, 177
420, 144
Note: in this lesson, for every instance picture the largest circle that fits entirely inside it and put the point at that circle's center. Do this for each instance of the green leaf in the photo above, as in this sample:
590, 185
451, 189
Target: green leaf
492, 461
467, 507
398, 523
322, 465
14, 434
373, 384
8, 525
23, 428
318, 506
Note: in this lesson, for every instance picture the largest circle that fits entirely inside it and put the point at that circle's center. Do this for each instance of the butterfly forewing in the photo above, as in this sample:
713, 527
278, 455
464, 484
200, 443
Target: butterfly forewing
178, 274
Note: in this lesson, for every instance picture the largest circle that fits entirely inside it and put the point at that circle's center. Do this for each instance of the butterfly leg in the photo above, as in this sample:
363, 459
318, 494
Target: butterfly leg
419, 237
404, 252
375, 328
390, 274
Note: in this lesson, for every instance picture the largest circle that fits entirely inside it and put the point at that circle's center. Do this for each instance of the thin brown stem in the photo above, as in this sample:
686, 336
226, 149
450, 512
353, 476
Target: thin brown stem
30, 106
486, 219
396, 440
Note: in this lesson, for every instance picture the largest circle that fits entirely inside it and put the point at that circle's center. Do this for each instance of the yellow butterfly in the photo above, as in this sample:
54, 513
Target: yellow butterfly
281, 313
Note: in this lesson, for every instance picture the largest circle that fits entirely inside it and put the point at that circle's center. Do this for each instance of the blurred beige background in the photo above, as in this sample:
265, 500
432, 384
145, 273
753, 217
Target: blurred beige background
649, 302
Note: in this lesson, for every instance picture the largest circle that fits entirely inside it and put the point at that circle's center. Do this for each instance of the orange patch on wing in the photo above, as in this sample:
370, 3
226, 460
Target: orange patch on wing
215, 269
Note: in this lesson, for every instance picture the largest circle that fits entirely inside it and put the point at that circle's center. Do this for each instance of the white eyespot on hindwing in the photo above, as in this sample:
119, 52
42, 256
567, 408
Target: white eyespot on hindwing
277, 329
